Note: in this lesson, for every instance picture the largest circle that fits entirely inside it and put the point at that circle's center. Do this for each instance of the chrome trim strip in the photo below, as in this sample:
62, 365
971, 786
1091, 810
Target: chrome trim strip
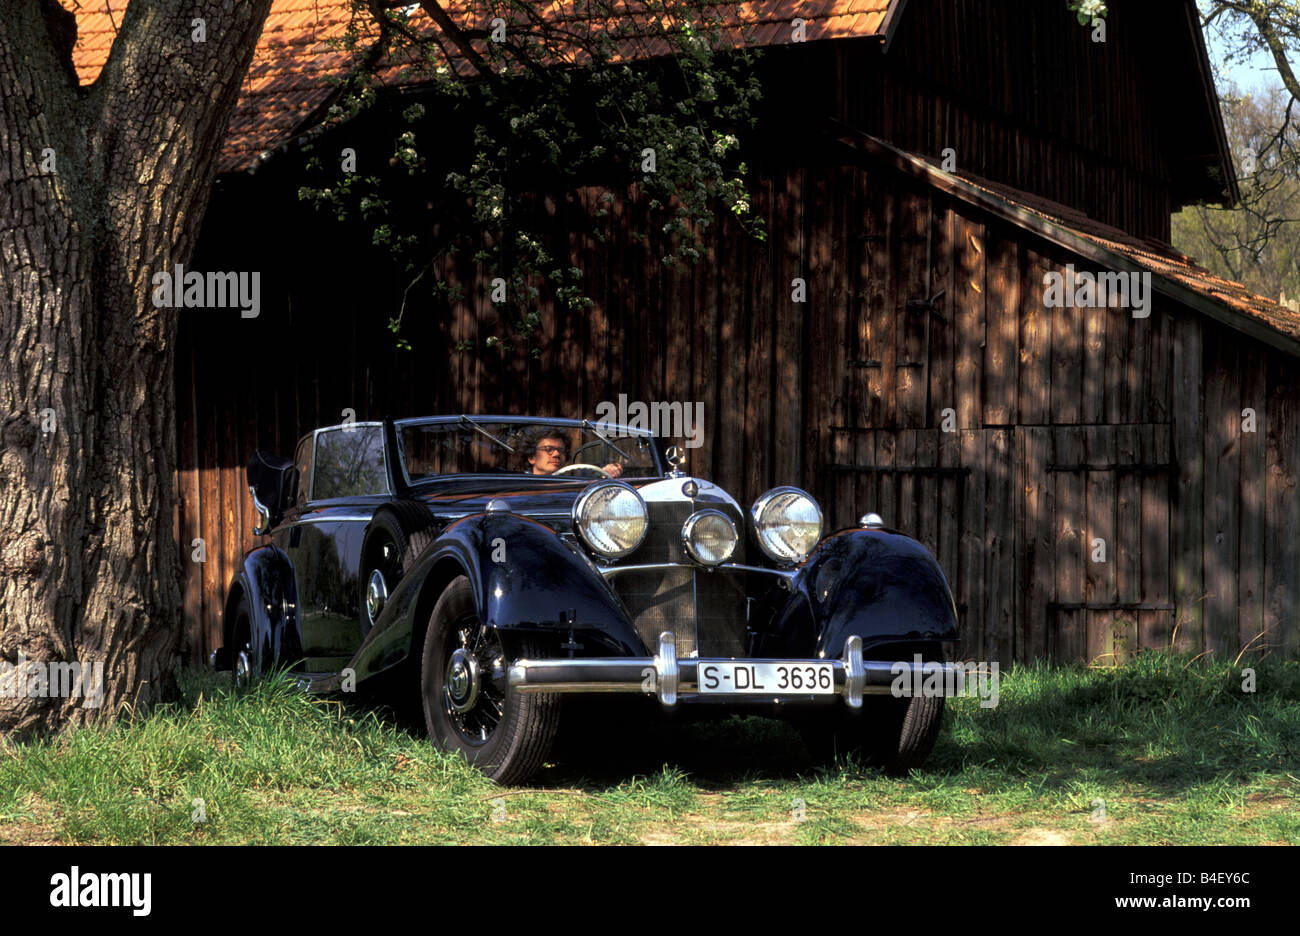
332, 518
607, 571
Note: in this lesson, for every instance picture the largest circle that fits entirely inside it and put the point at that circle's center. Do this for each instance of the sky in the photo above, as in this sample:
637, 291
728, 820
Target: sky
1257, 74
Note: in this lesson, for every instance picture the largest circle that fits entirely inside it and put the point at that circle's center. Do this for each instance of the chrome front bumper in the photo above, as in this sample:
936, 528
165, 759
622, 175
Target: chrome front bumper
667, 678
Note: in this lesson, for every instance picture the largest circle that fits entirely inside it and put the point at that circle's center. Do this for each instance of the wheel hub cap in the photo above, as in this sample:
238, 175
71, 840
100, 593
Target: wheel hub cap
462, 681
376, 595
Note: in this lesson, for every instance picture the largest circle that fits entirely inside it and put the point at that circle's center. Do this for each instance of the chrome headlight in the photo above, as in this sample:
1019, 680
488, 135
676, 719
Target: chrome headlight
788, 524
709, 536
610, 518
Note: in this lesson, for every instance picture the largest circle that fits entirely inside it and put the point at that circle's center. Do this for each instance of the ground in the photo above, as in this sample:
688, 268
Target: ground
1166, 750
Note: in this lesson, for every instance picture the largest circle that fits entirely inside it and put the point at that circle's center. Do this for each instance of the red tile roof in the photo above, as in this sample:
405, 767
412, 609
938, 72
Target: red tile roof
299, 52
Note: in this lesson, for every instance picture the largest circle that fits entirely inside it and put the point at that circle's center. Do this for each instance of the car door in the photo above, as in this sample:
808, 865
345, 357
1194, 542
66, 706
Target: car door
348, 481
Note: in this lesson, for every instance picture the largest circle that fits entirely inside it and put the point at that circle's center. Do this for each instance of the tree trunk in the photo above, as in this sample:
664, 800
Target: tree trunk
100, 188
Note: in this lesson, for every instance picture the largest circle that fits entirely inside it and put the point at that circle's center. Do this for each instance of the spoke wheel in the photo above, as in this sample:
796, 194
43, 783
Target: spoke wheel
469, 707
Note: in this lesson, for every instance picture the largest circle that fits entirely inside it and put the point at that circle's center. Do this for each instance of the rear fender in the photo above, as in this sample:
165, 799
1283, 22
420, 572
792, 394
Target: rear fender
267, 580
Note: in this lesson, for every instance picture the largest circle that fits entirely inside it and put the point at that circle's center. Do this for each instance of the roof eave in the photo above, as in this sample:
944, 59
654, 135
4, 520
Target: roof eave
934, 177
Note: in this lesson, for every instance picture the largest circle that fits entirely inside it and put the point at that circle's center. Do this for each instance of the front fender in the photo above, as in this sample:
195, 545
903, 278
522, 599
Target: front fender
875, 584
525, 580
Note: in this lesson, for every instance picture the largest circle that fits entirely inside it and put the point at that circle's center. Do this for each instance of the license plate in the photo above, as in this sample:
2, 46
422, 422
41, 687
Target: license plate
768, 678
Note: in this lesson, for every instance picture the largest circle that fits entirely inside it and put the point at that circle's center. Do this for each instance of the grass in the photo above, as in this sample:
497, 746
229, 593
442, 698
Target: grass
1164, 750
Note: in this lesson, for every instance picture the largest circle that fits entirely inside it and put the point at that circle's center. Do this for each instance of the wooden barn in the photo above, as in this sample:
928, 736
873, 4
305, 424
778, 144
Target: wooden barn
1095, 480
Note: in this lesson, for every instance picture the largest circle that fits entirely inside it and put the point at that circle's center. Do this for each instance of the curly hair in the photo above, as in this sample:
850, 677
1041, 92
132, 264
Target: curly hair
527, 440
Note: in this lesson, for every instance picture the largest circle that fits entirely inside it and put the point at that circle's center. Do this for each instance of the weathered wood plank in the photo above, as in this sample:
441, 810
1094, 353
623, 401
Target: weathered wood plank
761, 297
911, 358
971, 566
733, 359
1037, 543
1070, 517
927, 509
788, 346
999, 548
1156, 627
1067, 361
1035, 372
1222, 484
1092, 404
1001, 306
908, 485
942, 393
948, 507
968, 299
1254, 451
1282, 546
1189, 506
1099, 543
873, 287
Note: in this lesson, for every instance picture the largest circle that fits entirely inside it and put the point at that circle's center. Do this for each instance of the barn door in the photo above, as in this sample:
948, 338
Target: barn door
1094, 541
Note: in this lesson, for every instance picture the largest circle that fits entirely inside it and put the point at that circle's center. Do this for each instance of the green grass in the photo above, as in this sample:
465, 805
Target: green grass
1165, 750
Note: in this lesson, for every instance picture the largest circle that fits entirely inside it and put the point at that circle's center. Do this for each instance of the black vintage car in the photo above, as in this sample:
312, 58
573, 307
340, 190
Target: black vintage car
501, 563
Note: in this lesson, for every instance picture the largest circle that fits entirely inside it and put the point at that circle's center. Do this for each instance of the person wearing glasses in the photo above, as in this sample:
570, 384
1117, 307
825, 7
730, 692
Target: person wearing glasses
546, 454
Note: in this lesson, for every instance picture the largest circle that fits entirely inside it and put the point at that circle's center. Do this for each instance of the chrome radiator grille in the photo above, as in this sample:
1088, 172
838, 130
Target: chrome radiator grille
705, 610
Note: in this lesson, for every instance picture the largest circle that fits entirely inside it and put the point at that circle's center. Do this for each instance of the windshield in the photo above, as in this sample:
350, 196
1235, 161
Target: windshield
540, 448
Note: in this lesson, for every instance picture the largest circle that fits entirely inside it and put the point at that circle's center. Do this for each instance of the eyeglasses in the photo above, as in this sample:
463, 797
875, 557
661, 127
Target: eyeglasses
552, 450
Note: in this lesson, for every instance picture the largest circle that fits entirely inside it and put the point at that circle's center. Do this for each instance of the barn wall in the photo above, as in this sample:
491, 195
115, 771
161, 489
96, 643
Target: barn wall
1020, 98
1066, 426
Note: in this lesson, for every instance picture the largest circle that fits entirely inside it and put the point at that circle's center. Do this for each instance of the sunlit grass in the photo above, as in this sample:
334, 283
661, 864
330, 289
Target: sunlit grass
1165, 750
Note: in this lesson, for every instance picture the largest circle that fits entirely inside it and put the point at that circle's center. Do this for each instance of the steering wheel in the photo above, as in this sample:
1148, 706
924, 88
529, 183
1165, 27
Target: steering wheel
579, 466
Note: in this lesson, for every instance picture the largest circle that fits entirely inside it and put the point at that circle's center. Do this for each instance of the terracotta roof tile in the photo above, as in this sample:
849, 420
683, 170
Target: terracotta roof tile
296, 58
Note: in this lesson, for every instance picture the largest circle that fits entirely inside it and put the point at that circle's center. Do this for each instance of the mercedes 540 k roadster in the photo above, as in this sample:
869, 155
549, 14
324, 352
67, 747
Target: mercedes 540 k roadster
500, 564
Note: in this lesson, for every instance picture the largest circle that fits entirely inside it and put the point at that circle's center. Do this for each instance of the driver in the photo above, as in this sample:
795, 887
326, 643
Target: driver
547, 454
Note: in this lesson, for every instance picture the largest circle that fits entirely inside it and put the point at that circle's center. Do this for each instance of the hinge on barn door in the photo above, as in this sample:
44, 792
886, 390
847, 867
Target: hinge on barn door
864, 363
930, 305
870, 238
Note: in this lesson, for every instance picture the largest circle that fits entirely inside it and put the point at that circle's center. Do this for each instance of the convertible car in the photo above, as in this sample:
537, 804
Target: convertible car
499, 564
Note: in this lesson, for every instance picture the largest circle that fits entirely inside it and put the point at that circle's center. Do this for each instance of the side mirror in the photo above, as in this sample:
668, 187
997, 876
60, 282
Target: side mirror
273, 482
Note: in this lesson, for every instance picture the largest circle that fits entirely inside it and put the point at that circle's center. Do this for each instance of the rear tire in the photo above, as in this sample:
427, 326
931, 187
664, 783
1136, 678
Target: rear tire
469, 707
389, 552
245, 664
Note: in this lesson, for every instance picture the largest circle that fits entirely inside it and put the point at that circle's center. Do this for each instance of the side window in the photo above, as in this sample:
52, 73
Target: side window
303, 461
349, 463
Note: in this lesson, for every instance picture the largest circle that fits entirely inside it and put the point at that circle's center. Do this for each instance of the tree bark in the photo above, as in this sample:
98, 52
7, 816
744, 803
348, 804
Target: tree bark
100, 188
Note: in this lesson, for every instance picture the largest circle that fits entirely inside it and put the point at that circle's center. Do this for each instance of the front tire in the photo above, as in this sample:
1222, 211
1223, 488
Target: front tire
469, 707
893, 734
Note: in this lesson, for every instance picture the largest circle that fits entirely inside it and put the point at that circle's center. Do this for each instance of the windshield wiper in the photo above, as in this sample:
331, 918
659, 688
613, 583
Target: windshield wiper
586, 424
465, 420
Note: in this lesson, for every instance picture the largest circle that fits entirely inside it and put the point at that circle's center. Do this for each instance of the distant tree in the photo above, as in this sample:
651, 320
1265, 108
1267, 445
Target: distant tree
1257, 242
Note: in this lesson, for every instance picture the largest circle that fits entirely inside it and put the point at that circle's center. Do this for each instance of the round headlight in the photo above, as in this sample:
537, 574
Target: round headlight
788, 524
610, 517
709, 536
